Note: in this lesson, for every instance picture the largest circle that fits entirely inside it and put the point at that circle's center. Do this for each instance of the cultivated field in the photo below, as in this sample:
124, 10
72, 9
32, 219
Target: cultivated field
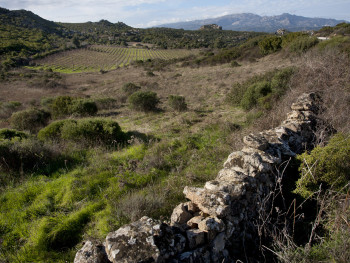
96, 57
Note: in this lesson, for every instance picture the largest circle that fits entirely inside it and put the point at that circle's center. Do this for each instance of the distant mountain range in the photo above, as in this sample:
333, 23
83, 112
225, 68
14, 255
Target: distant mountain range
252, 22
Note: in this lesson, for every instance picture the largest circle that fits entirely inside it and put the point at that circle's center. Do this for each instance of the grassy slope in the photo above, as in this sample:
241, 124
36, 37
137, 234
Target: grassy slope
104, 189
109, 188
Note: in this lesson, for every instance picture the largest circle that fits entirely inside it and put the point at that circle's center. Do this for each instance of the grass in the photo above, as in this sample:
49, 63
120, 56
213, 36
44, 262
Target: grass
93, 190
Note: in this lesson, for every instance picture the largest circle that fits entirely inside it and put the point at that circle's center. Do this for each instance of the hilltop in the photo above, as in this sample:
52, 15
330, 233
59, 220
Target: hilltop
253, 22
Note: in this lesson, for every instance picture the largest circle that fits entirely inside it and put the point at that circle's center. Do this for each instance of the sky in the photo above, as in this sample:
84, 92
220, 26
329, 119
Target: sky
147, 13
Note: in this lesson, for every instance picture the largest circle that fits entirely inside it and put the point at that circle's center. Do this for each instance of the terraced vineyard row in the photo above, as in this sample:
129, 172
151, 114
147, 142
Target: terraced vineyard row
94, 58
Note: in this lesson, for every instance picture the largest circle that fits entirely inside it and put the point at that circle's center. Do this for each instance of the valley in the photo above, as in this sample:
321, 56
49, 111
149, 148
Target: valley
95, 134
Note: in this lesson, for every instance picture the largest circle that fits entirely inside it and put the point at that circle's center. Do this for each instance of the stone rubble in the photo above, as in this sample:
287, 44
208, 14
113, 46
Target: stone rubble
209, 227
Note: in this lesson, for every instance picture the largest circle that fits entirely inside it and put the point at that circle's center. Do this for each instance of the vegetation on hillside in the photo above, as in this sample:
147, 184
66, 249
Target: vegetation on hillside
74, 168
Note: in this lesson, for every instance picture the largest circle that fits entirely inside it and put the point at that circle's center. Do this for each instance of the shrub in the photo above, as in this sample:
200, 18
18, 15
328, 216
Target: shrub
235, 95
52, 131
177, 102
150, 74
60, 106
9, 134
302, 44
30, 119
261, 90
130, 88
82, 107
24, 155
270, 45
329, 166
235, 64
7, 108
144, 101
105, 103
65, 105
254, 94
85, 131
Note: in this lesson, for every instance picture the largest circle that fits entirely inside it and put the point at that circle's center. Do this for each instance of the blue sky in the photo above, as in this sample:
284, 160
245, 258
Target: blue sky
145, 13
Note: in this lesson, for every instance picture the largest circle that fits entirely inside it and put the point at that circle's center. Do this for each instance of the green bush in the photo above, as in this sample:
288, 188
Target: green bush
24, 155
105, 103
130, 88
261, 90
302, 44
9, 134
60, 106
144, 101
85, 131
65, 105
7, 108
254, 94
178, 103
30, 119
329, 166
52, 132
340, 42
270, 45
235, 95
82, 107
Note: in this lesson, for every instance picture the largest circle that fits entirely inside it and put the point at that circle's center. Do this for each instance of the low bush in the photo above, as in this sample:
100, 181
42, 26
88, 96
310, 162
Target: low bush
106, 103
7, 108
178, 103
24, 155
270, 45
82, 107
52, 132
84, 131
261, 91
302, 44
130, 88
9, 134
65, 105
31, 119
254, 94
60, 106
144, 101
329, 166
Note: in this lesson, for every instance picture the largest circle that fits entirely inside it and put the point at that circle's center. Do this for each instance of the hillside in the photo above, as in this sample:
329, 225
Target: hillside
25, 36
252, 22
98, 136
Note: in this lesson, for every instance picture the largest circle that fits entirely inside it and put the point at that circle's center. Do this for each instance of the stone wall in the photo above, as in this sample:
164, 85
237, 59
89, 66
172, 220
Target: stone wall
215, 220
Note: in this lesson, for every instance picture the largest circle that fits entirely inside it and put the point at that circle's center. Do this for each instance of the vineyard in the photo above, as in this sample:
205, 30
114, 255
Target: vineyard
95, 58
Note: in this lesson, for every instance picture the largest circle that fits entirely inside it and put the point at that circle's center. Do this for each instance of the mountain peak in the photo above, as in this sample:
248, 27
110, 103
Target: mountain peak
254, 22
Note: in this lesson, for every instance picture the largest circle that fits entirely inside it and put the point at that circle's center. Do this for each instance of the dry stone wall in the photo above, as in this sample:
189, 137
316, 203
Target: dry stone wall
215, 220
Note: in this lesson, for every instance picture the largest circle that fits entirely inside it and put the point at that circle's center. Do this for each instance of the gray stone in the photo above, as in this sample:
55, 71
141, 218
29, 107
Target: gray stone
256, 141
212, 203
218, 244
194, 221
195, 238
143, 240
91, 252
212, 226
180, 215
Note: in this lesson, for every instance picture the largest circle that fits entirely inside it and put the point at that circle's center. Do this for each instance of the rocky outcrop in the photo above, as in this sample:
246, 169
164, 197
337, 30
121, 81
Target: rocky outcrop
219, 215
91, 252
211, 27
